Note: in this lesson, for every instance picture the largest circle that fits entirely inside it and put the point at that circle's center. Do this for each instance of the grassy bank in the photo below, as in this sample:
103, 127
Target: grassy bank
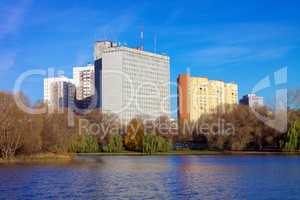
39, 158
188, 152
131, 153
170, 153
64, 158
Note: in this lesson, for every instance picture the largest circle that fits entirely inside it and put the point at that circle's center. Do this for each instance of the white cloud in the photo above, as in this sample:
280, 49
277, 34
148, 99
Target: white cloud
213, 45
213, 56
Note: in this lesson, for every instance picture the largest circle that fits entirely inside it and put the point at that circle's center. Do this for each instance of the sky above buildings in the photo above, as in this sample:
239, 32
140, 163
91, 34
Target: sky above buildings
234, 41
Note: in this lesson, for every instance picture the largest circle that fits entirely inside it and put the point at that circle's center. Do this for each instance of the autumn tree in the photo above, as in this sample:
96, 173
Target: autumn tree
247, 132
134, 135
56, 132
293, 137
102, 125
32, 141
20, 132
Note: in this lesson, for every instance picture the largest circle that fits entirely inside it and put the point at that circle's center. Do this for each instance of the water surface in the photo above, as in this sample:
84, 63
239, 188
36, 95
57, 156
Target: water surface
155, 177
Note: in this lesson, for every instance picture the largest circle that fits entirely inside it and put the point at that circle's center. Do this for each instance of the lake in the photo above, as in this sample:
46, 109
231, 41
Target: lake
155, 177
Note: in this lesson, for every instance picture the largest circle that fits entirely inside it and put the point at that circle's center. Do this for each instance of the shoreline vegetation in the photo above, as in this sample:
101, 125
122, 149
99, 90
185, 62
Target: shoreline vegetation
189, 153
38, 158
69, 157
50, 136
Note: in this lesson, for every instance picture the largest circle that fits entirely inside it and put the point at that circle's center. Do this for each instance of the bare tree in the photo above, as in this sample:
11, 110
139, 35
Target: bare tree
13, 122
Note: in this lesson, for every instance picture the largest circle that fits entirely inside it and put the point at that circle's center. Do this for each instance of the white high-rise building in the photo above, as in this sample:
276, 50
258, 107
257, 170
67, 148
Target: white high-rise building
84, 80
252, 101
131, 82
59, 92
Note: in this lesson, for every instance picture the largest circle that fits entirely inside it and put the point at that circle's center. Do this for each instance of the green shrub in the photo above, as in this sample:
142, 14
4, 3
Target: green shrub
153, 143
293, 137
115, 144
84, 144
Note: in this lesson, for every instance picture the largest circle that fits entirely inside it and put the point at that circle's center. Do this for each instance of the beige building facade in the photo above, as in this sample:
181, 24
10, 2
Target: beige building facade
199, 95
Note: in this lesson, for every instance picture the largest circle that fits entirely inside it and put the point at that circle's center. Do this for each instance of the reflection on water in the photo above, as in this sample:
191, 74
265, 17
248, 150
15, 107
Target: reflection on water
166, 177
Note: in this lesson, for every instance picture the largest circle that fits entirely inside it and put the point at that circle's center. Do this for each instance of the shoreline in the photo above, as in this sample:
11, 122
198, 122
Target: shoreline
39, 158
189, 152
64, 158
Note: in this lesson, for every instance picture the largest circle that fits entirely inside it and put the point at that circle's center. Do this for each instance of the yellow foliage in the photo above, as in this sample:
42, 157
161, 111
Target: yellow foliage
134, 135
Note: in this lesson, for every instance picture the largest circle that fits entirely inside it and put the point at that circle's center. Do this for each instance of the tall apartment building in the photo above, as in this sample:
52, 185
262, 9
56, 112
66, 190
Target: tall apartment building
131, 82
84, 80
198, 95
252, 100
59, 92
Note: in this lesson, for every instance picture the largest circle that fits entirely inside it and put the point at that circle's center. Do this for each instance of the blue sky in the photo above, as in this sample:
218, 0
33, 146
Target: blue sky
235, 41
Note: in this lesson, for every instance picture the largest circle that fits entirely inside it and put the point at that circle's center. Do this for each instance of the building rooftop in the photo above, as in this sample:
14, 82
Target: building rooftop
204, 77
137, 50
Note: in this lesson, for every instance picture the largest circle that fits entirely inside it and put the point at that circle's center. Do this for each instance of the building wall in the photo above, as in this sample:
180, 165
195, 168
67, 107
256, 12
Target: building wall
99, 48
133, 82
59, 92
182, 98
204, 96
198, 92
231, 94
252, 100
112, 83
84, 80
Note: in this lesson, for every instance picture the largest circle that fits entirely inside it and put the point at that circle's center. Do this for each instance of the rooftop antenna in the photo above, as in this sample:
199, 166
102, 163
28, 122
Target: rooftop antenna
137, 43
155, 42
142, 39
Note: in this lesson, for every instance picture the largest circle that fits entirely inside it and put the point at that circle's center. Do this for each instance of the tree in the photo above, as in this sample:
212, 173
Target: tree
104, 124
163, 125
293, 137
154, 143
149, 144
134, 135
247, 132
83, 144
115, 144
13, 124
32, 141
56, 133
